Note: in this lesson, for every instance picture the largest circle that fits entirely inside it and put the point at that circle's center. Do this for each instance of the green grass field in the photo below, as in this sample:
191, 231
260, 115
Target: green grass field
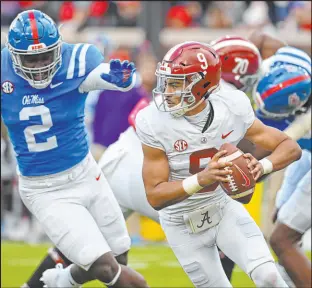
157, 263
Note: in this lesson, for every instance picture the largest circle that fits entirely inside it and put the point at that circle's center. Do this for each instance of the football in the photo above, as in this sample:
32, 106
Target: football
242, 183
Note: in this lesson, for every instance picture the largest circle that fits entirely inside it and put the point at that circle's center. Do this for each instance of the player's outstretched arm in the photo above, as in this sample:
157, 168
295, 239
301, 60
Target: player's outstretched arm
115, 75
266, 44
284, 149
162, 193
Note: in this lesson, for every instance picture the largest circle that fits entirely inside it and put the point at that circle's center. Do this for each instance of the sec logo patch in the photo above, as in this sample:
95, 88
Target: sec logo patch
180, 145
7, 87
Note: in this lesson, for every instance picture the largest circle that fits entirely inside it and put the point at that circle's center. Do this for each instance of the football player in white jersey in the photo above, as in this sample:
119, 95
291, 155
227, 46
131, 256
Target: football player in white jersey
181, 134
125, 157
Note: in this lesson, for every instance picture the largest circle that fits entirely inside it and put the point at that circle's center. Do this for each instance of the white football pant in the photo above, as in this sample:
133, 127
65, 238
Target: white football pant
237, 235
296, 212
78, 212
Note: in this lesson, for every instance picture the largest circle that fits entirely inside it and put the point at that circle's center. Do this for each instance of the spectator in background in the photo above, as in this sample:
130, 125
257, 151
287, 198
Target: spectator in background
8, 175
76, 15
128, 12
9, 9
280, 10
225, 14
178, 17
299, 18
256, 15
287, 15
146, 61
195, 10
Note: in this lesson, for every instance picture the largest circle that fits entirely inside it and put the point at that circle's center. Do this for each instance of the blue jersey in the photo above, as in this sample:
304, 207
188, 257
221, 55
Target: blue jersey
46, 126
282, 124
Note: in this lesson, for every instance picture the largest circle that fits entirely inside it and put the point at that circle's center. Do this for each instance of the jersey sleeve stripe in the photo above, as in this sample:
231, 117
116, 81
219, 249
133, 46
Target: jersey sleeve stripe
71, 66
82, 60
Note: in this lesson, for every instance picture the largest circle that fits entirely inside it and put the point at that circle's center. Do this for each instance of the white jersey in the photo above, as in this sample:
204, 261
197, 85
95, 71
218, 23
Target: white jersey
187, 148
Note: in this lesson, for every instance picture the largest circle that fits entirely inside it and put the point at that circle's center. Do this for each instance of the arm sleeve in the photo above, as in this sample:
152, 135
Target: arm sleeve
145, 132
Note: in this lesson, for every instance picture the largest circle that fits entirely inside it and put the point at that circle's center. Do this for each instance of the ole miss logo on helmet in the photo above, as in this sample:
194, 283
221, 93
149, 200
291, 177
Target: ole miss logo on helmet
180, 145
294, 100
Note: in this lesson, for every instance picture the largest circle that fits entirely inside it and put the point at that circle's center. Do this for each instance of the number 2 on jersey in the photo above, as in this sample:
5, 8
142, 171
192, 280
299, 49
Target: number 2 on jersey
30, 131
195, 165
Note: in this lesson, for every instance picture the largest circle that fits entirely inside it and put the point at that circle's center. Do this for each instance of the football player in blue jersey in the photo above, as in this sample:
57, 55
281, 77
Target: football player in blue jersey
282, 93
45, 82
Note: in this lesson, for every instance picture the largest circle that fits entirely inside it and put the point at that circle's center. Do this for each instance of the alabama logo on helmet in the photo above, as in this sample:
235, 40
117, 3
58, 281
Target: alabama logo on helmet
180, 145
7, 87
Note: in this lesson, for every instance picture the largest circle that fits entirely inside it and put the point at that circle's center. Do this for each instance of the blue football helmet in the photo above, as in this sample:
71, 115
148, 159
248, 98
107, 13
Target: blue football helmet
34, 43
293, 56
282, 91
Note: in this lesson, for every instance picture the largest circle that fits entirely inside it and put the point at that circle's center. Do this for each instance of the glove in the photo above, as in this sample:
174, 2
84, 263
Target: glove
120, 74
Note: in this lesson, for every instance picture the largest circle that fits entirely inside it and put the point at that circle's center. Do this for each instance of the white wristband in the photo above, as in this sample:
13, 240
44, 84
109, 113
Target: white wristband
191, 185
266, 165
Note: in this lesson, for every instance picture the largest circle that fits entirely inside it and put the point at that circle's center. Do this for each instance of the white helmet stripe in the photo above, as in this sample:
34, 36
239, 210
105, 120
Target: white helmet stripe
295, 52
174, 48
291, 60
236, 42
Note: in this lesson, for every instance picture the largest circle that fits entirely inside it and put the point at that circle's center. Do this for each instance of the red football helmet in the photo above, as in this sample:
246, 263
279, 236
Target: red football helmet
198, 66
241, 61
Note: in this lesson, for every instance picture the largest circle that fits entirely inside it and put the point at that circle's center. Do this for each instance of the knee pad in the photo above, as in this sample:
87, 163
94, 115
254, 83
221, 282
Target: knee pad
87, 256
120, 245
196, 273
267, 275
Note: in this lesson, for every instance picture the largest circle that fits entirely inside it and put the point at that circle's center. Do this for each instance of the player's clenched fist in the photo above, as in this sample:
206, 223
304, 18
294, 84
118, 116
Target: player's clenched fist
215, 171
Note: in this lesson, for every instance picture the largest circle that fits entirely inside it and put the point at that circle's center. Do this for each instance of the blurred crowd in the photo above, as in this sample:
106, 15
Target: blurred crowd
295, 15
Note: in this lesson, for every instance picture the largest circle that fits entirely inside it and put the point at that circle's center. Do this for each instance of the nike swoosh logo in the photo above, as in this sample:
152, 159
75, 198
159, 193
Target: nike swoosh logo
55, 85
226, 135
246, 178
98, 177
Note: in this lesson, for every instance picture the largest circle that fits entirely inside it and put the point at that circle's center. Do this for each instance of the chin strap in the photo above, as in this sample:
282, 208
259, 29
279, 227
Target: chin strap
210, 118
